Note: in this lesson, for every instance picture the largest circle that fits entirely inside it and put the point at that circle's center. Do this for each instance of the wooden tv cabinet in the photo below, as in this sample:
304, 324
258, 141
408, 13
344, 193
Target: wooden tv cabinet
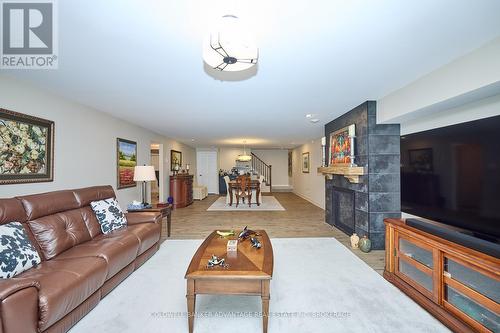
457, 285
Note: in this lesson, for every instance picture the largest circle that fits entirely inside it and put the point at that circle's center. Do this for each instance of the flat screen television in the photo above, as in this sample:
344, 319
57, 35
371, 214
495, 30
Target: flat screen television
451, 175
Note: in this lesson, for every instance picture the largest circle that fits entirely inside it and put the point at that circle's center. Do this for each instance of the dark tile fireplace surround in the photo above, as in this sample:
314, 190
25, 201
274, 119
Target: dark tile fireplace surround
362, 207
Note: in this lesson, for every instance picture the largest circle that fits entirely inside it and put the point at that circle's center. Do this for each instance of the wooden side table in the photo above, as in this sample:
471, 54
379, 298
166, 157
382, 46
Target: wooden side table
166, 211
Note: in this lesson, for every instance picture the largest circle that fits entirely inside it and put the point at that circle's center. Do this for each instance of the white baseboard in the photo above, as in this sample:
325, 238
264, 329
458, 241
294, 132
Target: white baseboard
282, 187
308, 199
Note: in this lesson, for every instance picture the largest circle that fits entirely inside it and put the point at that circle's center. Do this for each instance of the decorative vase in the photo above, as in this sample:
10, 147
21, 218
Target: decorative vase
354, 241
170, 200
365, 245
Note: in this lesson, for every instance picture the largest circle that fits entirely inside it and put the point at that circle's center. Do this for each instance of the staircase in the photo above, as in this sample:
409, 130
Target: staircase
260, 167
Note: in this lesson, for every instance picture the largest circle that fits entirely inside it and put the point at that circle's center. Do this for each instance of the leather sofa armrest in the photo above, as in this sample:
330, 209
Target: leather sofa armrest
9, 287
19, 305
143, 217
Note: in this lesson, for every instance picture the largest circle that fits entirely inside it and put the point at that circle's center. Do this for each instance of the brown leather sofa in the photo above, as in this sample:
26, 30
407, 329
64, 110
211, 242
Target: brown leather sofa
80, 265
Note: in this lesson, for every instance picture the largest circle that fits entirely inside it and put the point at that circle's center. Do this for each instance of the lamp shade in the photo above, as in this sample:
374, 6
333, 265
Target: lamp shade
244, 158
144, 173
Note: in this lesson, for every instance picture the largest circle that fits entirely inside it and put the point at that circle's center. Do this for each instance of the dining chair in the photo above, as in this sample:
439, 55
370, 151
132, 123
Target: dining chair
243, 190
228, 191
254, 191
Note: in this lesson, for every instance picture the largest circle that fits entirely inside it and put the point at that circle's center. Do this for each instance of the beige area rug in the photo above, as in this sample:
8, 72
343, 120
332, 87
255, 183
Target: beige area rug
318, 286
269, 203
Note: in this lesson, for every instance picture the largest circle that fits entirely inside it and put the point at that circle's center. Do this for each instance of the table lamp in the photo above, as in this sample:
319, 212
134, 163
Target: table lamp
144, 173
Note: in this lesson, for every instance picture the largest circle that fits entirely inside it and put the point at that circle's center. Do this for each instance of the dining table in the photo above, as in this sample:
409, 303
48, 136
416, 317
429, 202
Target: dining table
254, 185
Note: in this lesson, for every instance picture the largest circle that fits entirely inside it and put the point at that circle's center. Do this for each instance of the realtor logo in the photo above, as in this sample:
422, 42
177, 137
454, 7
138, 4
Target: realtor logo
28, 34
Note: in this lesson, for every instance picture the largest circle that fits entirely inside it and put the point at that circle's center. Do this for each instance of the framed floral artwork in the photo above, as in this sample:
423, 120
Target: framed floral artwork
26, 148
306, 162
126, 157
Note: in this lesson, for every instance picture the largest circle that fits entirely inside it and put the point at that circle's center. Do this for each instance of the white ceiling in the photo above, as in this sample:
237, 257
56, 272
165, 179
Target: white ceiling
141, 61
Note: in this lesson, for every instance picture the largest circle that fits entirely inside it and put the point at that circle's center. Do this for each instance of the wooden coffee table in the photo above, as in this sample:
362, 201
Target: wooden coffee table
249, 272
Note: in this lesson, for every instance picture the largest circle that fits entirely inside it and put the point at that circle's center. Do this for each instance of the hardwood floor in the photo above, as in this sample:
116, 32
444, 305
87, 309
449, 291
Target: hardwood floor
300, 219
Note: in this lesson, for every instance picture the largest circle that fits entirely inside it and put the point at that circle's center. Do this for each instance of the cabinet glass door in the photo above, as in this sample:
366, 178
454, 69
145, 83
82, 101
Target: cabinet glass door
474, 310
414, 264
419, 254
472, 293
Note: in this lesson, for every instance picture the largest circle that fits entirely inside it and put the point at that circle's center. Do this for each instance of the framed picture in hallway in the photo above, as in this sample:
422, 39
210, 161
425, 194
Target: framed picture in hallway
306, 162
27, 148
290, 162
126, 161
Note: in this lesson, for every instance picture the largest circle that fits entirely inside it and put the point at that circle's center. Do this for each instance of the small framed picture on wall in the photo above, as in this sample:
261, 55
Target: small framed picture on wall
175, 160
306, 162
126, 161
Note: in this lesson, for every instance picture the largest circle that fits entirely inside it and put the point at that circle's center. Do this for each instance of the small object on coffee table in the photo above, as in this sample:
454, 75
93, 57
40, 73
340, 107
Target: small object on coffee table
216, 261
225, 233
255, 242
232, 245
245, 233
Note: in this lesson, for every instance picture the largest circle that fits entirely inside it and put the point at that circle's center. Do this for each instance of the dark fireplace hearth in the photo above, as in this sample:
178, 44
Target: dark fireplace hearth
343, 209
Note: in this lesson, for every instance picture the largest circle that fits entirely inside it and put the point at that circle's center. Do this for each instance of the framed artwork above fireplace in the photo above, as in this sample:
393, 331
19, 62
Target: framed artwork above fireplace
341, 146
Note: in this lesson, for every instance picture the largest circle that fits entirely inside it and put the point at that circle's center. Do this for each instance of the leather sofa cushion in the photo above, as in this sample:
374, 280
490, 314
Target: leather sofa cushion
44, 204
86, 195
91, 221
147, 233
65, 284
12, 210
59, 232
119, 248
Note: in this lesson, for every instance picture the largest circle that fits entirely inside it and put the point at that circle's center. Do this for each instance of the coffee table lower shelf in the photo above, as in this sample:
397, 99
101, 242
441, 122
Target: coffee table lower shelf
214, 286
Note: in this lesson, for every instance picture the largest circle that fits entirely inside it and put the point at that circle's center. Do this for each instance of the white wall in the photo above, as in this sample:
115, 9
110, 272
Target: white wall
484, 108
463, 86
278, 159
310, 186
227, 157
85, 142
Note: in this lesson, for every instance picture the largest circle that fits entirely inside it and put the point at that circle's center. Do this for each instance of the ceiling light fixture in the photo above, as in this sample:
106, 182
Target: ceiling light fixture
230, 46
244, 157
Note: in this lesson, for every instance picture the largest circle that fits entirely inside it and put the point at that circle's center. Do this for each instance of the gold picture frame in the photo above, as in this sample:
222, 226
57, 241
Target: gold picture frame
27, 148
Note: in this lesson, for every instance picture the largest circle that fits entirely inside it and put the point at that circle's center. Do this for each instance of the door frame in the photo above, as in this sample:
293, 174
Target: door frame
161, 169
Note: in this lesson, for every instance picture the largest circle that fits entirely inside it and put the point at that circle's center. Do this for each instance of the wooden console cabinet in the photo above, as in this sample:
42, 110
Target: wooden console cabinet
458, 285
181, 189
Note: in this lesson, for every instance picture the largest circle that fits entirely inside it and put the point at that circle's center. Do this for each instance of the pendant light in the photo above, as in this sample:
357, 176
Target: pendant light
244, 157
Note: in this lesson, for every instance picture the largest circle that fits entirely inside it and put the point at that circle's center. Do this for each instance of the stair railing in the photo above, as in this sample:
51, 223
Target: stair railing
263, 169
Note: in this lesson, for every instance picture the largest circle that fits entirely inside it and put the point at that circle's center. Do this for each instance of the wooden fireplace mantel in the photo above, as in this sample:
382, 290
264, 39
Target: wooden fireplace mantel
352, 173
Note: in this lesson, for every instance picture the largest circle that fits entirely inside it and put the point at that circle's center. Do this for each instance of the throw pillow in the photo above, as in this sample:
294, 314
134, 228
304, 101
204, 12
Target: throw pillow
17, 254
109, 214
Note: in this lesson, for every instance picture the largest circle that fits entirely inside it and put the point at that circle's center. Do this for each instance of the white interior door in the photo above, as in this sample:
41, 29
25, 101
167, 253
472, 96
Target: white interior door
206, 165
